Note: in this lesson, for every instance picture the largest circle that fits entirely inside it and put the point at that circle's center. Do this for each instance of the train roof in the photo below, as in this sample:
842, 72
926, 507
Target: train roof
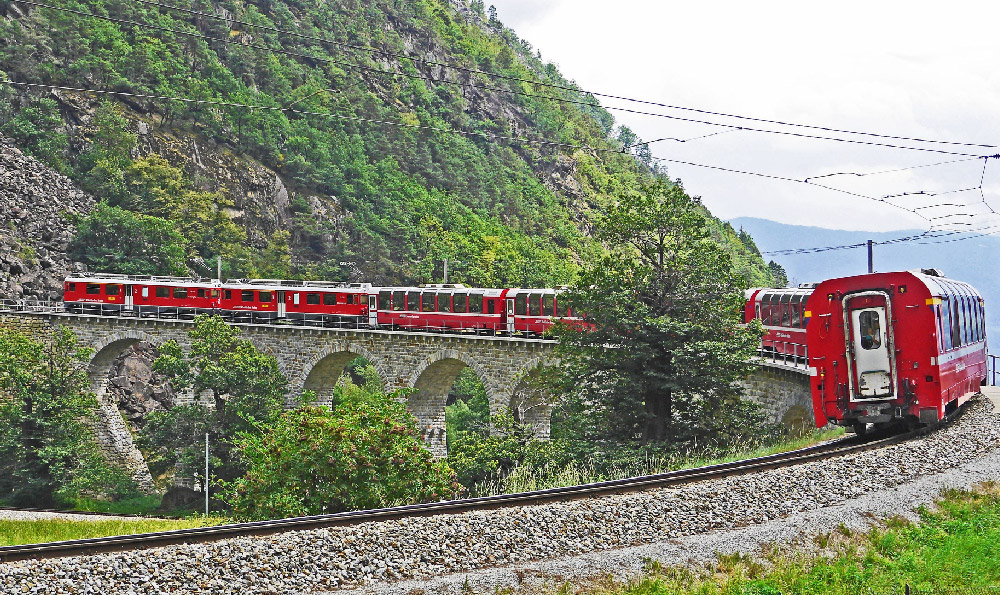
286, 284
932, 279
142, 279
447, 288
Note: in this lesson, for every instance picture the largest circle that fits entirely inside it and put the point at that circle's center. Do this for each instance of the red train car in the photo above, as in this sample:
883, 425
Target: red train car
300, 302
783, 313
142, 295
441, 307
885, 347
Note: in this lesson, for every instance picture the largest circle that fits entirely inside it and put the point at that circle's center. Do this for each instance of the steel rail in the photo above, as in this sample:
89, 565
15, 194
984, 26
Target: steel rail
97, 545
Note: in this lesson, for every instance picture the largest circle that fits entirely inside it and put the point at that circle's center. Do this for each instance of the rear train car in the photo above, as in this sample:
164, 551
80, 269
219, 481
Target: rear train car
885, 347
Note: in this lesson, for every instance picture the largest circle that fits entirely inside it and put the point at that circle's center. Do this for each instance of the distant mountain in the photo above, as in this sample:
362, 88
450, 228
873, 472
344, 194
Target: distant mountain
973, 260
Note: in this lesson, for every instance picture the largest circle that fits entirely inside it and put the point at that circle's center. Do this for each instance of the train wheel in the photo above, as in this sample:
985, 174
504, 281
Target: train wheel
860, 428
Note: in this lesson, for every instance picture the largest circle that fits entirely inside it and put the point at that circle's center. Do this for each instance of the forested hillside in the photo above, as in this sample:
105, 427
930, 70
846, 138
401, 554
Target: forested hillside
291, 137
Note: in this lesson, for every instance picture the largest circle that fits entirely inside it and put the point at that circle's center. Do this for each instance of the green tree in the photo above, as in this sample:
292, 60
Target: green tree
48, 455
113, 240
778, 273
365, 453
102, 167
35, 128
247, 390
662, 351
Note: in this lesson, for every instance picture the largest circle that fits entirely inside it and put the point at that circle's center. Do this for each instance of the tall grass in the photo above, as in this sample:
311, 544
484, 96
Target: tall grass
528, 477
42, 531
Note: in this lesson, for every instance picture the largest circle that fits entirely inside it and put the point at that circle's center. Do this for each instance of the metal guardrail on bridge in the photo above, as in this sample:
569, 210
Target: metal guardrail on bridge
791, 355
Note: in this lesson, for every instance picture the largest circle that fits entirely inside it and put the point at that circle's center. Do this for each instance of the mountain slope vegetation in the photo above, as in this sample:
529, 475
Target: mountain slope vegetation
342, 140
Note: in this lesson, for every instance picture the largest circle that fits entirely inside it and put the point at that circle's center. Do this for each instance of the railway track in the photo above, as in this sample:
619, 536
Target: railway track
207, 534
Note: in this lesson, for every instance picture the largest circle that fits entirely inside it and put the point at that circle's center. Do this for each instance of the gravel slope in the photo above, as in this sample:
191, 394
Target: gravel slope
587, 534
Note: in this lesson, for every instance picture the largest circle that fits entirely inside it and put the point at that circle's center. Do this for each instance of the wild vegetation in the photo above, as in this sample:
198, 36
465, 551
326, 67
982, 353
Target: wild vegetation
495, 164
48, 454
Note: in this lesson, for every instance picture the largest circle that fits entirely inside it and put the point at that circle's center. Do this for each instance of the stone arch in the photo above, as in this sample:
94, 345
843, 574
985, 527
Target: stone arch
107, 351
433, 379
110, 427
529, 404
321, 373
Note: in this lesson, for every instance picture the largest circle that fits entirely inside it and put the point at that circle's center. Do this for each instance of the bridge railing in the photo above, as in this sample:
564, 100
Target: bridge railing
992, 370
30, 306
785, 353
171, 313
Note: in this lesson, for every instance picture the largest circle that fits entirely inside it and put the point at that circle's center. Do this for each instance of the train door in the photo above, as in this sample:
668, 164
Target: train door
372, 311
129, 301
870, 347
510, 316
282, 308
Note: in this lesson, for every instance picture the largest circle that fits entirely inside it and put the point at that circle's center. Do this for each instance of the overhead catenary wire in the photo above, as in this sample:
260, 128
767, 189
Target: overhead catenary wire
574, 89
507, 91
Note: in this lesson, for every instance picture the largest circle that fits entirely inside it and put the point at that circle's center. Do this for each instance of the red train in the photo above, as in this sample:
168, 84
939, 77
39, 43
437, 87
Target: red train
527, 312
884, 347
783, 313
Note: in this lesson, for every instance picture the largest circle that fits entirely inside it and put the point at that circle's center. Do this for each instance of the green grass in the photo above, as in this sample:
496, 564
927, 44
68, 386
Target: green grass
21, 532
955, 548
526, 478
147, 505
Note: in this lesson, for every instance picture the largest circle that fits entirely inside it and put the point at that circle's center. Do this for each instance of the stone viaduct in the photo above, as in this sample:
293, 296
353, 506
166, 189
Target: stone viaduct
315, 358
426, 363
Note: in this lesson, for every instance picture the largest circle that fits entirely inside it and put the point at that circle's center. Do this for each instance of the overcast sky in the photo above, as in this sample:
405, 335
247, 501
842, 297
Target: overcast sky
912, 69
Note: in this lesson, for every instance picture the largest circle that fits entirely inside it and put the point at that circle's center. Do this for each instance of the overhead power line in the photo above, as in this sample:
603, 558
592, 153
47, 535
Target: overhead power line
521, 92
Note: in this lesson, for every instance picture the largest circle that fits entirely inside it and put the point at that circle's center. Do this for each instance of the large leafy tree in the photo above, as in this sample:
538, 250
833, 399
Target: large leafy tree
364, 453
48, 454
113, 240
662, 351
247, 390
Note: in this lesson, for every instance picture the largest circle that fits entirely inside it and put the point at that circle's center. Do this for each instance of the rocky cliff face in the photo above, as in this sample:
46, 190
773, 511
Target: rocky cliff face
134, 386
36, 206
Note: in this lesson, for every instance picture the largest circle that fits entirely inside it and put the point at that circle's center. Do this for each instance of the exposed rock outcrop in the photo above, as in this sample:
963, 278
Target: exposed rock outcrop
36, 207
134, 386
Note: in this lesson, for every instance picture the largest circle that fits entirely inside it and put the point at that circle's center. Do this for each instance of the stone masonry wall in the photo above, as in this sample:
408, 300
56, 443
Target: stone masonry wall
783, 392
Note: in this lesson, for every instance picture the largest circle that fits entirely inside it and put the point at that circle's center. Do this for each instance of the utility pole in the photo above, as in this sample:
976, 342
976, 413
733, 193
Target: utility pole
445, 271
219, 277
871, 268
206, 471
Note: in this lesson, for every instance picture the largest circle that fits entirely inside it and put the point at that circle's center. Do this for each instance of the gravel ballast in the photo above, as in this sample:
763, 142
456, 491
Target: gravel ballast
612, 532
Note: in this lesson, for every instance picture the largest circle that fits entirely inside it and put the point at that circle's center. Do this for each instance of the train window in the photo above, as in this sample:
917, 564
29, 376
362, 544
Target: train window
329, 299
491, 306
201, 293
229, 294
956, 337
548, 305
112, 289
796, 320
413, 301
535, 304
459, 305
93, 289
521, 304
398, 300
180, 292
385, 300
296, 297
72, 286
312, 299
145, 292
475, 303
871, 330
765, 309
162, 292
444, 302
786, 313
353, 299
246, 295
265, 296
944, 324
427, 301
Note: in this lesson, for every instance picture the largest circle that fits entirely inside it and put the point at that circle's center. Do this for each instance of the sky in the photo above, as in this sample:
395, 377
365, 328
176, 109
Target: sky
912, 69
